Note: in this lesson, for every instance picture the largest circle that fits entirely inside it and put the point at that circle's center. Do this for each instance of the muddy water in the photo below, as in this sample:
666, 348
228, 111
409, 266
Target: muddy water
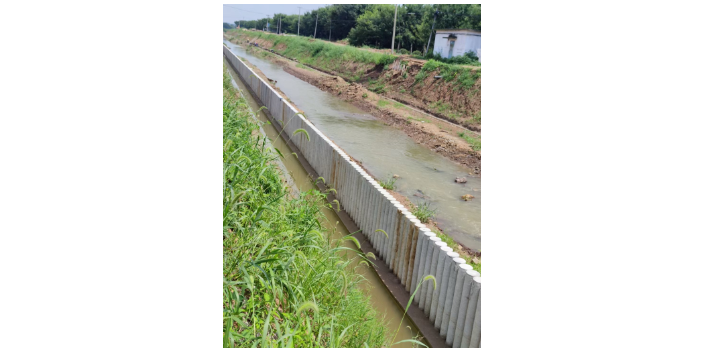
425, 176
381, 298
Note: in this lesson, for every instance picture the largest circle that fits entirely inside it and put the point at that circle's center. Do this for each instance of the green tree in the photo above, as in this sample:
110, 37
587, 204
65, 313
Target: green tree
373, 24
374, 27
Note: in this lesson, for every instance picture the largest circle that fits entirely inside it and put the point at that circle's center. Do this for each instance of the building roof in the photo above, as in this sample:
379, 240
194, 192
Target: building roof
458, 30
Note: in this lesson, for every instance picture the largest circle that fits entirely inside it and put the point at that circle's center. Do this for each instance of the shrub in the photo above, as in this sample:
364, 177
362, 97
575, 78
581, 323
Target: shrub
379, 89
417, 53
403, 51
471, 55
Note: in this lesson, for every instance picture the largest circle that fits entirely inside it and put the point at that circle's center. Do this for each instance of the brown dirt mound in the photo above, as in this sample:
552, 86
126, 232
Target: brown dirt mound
434, 95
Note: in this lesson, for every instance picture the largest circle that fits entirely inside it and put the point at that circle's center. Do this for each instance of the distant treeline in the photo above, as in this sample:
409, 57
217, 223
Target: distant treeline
372, 25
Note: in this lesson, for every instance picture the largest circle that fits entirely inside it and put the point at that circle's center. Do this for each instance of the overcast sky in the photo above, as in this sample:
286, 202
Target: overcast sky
235, 12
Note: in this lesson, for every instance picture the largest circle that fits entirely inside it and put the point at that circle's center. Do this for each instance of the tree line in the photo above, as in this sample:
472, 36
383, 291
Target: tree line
372, 25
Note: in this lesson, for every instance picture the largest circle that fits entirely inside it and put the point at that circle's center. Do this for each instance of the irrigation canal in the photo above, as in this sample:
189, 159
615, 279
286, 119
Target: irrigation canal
425, 176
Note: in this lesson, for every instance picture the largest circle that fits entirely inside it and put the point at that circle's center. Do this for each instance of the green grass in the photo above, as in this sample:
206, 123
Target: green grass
376, 86
382, 103
476, 143
440, 106
423, 212
398, 105
286, 282
320, 53
456, 248
389, 183
465, 77
420, 76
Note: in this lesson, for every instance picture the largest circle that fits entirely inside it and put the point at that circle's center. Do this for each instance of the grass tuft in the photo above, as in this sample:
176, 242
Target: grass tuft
388, 183
423, 212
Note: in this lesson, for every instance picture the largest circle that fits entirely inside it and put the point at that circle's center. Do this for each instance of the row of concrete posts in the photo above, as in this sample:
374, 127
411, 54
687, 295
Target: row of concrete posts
410, 249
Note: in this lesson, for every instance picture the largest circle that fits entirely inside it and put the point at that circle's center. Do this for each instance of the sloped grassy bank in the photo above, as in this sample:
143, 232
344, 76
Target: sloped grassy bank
285, 283
346, 60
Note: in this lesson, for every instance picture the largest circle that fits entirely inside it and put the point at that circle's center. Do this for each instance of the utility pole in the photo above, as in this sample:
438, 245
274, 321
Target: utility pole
431, 32
299, 20
316, 25
393, 36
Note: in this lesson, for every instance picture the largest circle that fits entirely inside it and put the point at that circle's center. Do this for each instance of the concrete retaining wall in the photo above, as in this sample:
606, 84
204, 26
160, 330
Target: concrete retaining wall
411, 250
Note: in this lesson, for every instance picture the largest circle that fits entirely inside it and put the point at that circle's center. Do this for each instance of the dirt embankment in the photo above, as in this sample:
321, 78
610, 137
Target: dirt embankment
455, 95
448, 99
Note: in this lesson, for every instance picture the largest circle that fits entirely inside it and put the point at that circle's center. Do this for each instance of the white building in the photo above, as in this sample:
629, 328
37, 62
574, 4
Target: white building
456, 42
